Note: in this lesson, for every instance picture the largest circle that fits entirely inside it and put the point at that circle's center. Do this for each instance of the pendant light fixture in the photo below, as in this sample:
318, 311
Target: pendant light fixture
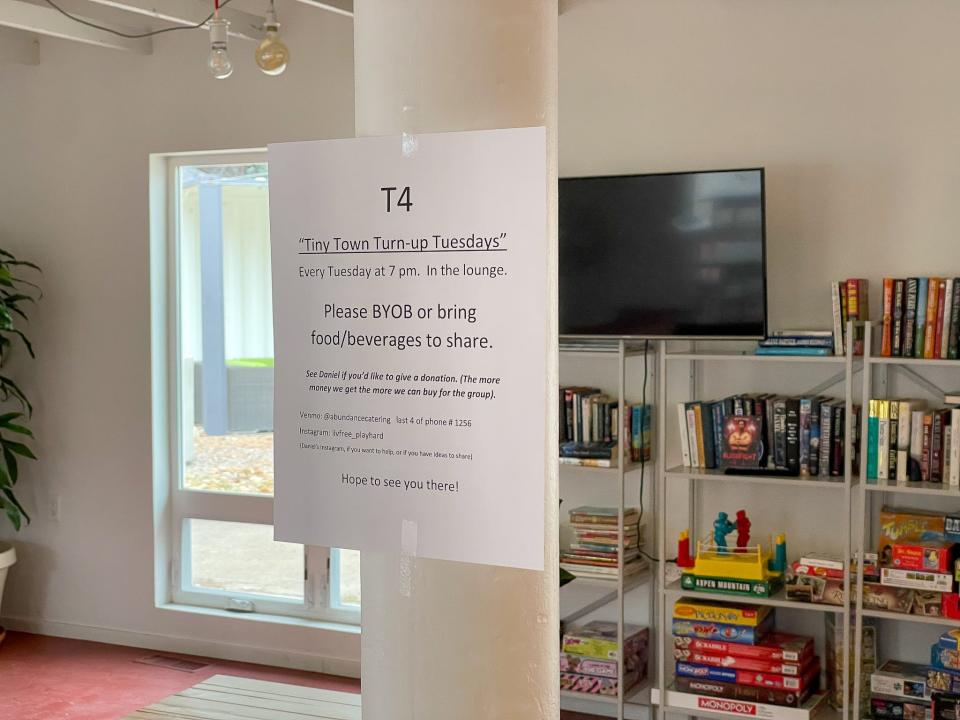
219, 63
272, 55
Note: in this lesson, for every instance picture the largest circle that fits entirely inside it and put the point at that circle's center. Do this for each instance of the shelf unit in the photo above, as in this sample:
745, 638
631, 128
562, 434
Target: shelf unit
584, 596
873, 493
833, 490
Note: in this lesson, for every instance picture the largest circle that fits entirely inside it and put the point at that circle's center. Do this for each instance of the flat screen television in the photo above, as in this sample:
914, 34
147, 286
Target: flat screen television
665, 255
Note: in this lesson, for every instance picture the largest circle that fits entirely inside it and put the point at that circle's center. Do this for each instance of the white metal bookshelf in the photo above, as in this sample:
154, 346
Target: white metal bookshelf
583, 596
875, 493
834, 489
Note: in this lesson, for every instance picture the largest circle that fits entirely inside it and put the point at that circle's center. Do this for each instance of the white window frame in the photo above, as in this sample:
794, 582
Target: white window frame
175, 505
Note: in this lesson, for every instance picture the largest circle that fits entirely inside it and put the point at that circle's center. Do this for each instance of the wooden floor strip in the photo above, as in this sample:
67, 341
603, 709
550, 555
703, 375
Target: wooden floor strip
224, 697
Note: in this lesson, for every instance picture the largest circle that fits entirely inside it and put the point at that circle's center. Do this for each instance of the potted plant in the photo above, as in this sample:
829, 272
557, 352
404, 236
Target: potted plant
16, 293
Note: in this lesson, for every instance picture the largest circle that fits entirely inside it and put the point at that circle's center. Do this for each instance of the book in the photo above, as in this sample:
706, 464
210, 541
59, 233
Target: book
909, 316
806, 407
899, 309
954, 475
828, 334
838, 424
941, 419
742, 441
792, 350
944, 317
873, 435
915, 466
925, 446
905, 412
792, 432
826, 415
684, 436
930, 332
883, 439
953, 347
921, 316
838, 327
886, 337
892, 437
695, 456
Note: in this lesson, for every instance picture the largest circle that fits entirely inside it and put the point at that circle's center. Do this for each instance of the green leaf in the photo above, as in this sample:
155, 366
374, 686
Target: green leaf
8, 417
9, 389
13, 515
13, 499
11, 462
25, 342
18, 448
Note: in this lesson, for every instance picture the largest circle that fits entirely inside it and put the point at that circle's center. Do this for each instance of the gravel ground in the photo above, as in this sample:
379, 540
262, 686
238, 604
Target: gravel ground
244, 558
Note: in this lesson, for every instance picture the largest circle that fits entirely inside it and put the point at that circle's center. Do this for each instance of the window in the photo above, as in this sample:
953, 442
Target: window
220, 371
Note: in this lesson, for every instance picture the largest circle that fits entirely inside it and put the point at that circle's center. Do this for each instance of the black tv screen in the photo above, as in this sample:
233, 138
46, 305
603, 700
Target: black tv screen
667, 255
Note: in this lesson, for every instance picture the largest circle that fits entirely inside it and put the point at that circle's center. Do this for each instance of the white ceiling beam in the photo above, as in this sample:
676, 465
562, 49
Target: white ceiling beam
19, 47
47, 21
340, 7
190, 12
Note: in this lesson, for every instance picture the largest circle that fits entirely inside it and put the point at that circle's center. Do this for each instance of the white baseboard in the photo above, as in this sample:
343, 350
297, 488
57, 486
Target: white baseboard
187, 646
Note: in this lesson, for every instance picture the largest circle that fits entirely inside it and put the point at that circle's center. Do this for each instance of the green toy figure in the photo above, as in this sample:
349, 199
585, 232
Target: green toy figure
721, 528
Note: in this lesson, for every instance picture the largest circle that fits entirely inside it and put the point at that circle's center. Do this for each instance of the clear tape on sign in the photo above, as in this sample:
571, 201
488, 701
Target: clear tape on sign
408, 140
408, 555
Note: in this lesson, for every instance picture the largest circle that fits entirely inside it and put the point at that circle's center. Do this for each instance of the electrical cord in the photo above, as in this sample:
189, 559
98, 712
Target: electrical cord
643, 464
134, 36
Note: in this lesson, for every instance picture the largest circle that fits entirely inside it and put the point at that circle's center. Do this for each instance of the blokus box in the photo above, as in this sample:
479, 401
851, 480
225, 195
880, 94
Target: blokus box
598, 639
887, 708
721, 631
728, 613
785, 698
929, 556
900, 679
774, 647
746, 677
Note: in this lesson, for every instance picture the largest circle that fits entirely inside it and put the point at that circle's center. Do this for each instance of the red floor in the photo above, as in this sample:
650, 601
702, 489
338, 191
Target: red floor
43, 678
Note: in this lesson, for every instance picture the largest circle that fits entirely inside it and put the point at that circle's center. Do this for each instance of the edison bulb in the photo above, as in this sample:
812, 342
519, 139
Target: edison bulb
218, 62
272, 55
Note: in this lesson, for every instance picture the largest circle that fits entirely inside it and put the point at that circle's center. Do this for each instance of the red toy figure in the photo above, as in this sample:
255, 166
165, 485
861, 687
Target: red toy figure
743, 529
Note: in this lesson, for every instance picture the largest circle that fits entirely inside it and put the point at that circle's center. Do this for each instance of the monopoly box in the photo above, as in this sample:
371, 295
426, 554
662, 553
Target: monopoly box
746, 677
786, 698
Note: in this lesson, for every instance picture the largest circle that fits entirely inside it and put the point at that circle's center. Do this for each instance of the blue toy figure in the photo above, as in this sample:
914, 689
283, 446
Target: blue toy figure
721, 528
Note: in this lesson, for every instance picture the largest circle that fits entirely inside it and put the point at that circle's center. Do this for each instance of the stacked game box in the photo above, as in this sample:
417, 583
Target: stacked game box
730, 650
593, 551
589, 657
834, 660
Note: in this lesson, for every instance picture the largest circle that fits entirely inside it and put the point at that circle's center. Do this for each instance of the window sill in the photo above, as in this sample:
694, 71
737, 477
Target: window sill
329, 626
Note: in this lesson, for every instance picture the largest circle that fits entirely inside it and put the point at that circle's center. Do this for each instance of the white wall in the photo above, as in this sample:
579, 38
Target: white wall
75, 135
852, 107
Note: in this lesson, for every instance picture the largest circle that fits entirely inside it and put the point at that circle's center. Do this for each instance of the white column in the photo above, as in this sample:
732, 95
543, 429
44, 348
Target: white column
456, 640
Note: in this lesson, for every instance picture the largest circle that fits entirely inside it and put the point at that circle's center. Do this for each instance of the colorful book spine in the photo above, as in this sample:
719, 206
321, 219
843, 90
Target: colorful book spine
953, 349
886, 338
930, 328
873, 430
925, 446
899, 309
946, 302
909, 316
915, 466
893, 435
921, 317
684, 438
838, 329
883, 439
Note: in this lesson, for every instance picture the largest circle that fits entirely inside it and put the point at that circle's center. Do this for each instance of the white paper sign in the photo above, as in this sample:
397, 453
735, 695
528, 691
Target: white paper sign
410, 327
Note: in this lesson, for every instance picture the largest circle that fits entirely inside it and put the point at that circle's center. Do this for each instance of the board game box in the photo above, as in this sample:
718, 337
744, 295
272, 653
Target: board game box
887, 708
746, 677
593, 685
916, 579
730, 586
722, 631
774, 647
728, 613
946, 706
929, 556
940, 680
907, 526
699, 704
776, 667
598, 639
900, 679
786, 698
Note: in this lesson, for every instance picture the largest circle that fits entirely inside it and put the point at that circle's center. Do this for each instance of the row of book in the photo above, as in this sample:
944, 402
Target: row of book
801, 435
908, 443
797, 342
921, 318
594, 550
590, 428
850, 301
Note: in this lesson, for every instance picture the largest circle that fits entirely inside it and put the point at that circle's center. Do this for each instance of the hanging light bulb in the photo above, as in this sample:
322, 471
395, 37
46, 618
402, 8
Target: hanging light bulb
219, 62
272, 55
